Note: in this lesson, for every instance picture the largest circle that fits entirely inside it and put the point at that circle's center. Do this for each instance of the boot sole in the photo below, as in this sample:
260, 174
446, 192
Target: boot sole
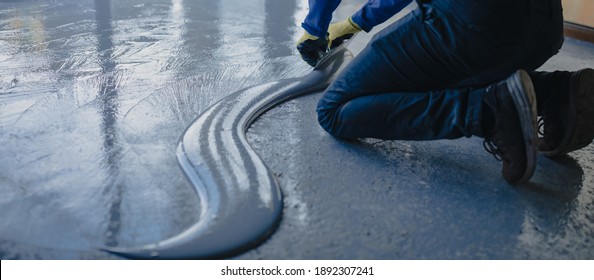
580, 131
522, 92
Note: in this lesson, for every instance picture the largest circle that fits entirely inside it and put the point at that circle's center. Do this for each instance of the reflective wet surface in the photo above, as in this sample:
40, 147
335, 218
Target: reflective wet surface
94, 96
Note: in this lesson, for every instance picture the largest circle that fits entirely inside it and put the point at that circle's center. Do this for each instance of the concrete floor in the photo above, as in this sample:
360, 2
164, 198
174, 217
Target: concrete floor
95, 95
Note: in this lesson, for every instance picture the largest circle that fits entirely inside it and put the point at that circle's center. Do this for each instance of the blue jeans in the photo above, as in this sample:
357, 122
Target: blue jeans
424, 77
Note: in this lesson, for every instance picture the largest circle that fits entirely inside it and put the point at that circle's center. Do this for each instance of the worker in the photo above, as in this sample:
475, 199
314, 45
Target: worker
452, 69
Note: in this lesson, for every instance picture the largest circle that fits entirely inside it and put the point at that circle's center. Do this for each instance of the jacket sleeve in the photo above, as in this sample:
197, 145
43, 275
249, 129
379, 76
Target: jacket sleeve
377, 11
374, 12
319, 16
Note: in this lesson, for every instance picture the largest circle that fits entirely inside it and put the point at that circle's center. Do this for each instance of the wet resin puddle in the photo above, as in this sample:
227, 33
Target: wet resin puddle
240, 198
119, 82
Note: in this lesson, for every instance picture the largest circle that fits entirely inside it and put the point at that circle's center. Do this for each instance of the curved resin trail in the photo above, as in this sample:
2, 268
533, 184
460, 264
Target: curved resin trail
240, 198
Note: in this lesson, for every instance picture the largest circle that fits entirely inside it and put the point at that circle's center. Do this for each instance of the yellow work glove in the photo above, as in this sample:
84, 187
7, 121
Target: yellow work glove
341, 31
312, 48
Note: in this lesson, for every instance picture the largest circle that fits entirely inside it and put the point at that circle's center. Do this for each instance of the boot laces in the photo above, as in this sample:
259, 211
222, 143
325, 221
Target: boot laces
491, 148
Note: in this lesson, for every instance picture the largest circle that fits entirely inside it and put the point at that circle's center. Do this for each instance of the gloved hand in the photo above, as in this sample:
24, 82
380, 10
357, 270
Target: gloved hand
312, 48
341, 31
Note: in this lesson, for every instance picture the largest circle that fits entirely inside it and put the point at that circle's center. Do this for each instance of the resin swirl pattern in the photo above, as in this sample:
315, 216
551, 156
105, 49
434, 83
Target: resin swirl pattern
240, 198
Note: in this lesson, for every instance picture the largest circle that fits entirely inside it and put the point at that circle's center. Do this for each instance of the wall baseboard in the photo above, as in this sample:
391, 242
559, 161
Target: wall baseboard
578, 31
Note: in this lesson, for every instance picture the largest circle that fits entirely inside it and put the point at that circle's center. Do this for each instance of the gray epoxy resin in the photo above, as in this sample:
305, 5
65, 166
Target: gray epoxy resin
240, 198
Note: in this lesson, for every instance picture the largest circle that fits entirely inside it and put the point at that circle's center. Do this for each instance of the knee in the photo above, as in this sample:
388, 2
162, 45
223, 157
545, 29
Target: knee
327, 114
330, 118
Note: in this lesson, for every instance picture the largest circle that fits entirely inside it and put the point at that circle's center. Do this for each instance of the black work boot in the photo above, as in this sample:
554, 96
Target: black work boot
513, 138
569, 125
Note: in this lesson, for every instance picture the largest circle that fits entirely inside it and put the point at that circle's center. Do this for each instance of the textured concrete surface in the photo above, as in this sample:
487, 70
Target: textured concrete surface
94, 96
